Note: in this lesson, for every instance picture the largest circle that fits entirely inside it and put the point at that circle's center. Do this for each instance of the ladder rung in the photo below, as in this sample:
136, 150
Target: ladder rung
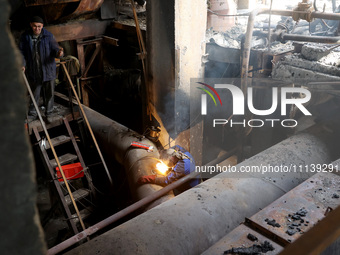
85, 213
64, 159
58, 141
77, 195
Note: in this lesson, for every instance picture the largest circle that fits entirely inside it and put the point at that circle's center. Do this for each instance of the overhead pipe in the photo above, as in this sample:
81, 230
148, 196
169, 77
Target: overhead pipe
115, 141
193, 221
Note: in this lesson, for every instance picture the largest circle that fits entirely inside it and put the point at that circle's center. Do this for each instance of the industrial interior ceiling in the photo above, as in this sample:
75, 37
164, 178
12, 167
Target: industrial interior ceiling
250, 88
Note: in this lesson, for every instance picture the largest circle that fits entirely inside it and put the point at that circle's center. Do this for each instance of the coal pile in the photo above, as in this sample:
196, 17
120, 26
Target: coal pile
272, 223
296, 220
256, 249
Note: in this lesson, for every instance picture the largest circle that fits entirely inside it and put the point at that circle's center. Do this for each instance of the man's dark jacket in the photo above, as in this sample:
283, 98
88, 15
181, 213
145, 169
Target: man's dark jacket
48, 49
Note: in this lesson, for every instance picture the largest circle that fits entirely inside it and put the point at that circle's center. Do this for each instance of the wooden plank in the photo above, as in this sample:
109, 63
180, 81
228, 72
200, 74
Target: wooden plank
87, 42
110, 40
56, 141
77, 195
78, 29
64, 159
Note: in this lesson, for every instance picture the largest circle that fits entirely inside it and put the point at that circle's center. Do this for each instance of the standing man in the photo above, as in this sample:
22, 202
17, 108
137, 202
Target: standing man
181, 162
39, 48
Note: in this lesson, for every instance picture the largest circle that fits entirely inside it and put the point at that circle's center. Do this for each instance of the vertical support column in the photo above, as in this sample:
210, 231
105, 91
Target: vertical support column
190, 30
85, 68
160, 61
175, 45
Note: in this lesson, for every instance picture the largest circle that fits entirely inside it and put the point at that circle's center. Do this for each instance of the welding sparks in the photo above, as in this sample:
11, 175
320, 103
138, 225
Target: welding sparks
162, 168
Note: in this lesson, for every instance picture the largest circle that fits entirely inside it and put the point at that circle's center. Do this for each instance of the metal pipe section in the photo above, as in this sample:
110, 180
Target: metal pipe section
115, 141
195, 220
325, 15
309, 38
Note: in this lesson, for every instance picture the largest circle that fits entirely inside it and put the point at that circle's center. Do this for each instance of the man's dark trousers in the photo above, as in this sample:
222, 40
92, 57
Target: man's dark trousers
47, 88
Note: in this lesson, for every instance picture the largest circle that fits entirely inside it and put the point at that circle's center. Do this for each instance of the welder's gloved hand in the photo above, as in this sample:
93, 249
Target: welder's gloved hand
146, 179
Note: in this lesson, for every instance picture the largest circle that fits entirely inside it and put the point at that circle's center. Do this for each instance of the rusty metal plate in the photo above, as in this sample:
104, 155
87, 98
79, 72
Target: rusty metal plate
84, 7
315, 198
45, 2
238, 239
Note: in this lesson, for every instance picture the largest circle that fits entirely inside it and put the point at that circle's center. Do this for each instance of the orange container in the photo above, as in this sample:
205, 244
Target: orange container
71, 171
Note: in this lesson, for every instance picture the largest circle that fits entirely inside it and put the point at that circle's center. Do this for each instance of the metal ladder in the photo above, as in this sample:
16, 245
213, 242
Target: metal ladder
50, 164
72, 197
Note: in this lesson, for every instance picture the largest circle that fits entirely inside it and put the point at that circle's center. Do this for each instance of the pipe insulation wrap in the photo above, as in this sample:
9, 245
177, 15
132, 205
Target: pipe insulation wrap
196, 219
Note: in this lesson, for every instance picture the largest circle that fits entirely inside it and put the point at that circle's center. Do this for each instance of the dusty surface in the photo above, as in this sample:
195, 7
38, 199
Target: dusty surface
315, 62
323, 53
229, 39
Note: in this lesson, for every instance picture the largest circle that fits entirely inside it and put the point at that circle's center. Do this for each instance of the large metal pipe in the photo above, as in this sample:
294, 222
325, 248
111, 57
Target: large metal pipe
193, 221
126, 211
119, 215
115, 141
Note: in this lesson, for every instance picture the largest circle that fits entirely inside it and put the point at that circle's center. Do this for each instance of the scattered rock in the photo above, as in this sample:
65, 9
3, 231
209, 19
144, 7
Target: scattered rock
252, 237
272, 223
291, 232
335, 195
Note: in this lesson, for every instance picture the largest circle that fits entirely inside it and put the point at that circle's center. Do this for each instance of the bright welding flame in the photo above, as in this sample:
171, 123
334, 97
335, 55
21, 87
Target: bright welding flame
162, 168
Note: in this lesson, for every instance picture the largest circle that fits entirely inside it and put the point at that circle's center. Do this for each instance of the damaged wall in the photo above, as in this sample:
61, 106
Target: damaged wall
20, 226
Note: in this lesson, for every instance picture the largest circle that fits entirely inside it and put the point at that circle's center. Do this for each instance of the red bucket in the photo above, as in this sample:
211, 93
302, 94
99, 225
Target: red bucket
71, 171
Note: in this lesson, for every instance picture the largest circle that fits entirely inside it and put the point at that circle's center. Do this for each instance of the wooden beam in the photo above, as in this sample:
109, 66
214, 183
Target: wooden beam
98, 48
78, 29
110, 40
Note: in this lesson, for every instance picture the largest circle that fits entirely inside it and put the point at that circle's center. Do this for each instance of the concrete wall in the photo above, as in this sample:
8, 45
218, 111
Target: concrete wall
190, 28
19, 222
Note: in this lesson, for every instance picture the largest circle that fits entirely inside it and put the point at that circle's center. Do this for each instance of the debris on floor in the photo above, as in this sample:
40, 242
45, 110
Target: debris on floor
253, 250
